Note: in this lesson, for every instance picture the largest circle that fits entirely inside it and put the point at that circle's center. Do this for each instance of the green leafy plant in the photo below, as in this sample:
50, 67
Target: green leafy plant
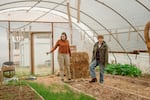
124, 70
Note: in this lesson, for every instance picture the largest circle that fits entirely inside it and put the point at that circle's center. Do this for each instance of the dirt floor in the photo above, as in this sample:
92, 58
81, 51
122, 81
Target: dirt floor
114, 87
10, 92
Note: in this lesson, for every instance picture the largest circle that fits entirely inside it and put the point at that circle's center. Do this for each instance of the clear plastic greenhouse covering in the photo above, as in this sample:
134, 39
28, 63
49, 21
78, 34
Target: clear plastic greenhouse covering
121, 22
120, 17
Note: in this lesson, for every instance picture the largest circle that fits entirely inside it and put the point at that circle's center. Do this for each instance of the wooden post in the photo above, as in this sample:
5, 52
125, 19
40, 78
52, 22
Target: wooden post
78, 11
9, 41
70, 21
52, 46
32, 52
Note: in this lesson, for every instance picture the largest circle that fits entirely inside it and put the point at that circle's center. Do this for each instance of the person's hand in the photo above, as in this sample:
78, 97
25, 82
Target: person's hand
47, 53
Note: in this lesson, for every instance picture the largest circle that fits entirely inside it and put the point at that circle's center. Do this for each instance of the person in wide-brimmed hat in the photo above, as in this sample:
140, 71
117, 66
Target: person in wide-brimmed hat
99, 58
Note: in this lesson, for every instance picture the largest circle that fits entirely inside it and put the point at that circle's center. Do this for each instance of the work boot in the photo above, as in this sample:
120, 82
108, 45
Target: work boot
69, 78
62, 80
93, 80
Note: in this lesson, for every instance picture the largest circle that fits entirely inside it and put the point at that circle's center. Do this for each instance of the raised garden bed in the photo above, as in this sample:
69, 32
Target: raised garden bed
116, 88
13, 92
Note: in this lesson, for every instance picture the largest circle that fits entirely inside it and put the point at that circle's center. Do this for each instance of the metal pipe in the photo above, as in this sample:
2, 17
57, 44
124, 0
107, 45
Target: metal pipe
41, 15
34, 5
125, 19
143, 5
94, 20
125, 32
90, 17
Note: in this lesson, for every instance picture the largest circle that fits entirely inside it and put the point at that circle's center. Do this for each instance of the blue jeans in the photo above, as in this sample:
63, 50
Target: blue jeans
93, 64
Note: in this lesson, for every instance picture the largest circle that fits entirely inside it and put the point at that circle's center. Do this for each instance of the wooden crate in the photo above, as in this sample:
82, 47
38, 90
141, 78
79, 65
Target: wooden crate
73, 48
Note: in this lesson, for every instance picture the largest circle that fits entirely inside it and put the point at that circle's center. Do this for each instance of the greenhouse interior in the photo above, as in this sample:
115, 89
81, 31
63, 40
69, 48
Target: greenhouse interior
37, 63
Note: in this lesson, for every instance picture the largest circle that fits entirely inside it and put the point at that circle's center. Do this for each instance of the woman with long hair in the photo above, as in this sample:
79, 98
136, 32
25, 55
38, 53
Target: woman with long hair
64, 55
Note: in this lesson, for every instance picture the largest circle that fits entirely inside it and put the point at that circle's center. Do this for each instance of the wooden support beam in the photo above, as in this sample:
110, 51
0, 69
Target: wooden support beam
78, 10
70, 21
32, 53
34, 5
123, 32
32, 49
130, 52
53, 46
30, 21
9, 41
133, 52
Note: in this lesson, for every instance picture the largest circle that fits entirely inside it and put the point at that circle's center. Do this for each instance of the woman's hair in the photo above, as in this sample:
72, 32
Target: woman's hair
63, 33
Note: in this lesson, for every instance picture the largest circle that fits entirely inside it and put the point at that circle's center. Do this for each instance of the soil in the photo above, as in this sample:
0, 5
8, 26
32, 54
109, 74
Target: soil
114, 87
11, 92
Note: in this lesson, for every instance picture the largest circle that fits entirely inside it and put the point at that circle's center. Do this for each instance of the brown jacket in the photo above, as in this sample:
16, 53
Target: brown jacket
63, 47
103, 50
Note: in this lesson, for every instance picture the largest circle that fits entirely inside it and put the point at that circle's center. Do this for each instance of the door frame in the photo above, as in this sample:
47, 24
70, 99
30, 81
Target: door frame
32, 60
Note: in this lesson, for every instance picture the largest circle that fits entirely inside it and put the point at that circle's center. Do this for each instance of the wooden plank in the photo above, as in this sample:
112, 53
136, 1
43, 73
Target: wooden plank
9, 41
41, 98
70, 21
141, 97
32, 52
32, 49
53, 46
130, 79
29, 21
80, 91
73, 48
132, 52
78, 11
